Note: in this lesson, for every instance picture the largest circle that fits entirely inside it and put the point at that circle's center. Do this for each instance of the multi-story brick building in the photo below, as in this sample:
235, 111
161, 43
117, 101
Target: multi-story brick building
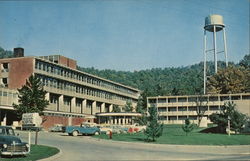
74, 95
175, 109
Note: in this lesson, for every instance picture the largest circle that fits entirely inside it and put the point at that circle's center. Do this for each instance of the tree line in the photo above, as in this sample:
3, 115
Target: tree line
186, 80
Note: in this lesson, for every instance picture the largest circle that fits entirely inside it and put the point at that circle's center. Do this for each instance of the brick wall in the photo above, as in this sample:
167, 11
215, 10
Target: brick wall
50, 121
67, 62
19, 70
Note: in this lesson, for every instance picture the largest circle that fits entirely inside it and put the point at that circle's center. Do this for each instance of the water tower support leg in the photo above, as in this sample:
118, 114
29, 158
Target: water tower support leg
205, 62
215, 50
225, 46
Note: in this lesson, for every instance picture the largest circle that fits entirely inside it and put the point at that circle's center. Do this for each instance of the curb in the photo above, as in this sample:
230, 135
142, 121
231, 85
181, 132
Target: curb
155, 144
54, 157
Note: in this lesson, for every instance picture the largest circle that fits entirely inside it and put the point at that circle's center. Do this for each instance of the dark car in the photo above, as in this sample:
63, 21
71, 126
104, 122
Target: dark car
10, 144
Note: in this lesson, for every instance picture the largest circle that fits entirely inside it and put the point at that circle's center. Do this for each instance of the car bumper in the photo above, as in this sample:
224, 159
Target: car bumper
14, 153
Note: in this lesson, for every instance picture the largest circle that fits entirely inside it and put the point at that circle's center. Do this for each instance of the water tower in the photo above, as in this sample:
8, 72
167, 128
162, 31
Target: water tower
213, 24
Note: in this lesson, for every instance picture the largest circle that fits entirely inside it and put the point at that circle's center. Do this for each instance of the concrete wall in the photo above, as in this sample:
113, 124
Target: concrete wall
243, 106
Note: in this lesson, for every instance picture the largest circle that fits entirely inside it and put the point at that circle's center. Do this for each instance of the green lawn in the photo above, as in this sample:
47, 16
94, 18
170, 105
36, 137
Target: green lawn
37, 152
173, 134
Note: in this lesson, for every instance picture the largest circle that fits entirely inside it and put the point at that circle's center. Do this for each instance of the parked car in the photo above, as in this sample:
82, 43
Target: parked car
139, 128
10, 144
82, 130
57, 128
136, 128
105, 129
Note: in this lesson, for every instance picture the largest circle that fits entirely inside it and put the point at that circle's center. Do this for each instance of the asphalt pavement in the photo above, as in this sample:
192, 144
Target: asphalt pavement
83, 148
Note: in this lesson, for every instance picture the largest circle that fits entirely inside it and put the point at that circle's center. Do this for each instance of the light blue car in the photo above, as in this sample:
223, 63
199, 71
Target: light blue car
82, 130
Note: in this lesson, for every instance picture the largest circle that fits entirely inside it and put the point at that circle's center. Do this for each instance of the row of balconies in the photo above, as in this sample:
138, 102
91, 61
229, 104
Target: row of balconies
180, 113
86, 84
94, 85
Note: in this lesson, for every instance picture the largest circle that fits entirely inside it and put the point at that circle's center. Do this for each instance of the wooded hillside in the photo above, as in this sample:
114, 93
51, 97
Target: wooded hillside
159, 81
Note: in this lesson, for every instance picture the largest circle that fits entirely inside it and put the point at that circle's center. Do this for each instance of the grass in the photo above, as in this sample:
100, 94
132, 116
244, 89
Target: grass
37, 152
173, 134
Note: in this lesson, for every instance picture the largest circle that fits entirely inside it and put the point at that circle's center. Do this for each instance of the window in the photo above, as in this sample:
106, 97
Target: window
182, 108
182, 99
214, 108
6, 65
247, 97
162, 117
67, 101
172, 118
89, 104
5, 93
5, 81
223, 98
192, 99
191, 108
182, 117
171, 100
78, 102
53, 99
162, 109
212, 98
152, 100
235, 97
192, 117
170, 109
162, 100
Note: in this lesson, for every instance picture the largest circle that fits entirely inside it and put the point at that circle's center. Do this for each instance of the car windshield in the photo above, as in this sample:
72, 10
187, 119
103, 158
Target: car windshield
10, 132
6, 131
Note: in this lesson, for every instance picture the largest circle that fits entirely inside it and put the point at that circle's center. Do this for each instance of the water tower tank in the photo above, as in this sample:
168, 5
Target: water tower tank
214, 20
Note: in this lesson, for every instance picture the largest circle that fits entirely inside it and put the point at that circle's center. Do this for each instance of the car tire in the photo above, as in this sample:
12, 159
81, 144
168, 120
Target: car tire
97, 133
75, 133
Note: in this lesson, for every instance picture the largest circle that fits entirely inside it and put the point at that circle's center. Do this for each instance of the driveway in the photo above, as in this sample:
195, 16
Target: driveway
87, 148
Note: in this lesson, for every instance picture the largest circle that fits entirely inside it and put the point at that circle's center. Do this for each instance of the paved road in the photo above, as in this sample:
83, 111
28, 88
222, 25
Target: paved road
86, 148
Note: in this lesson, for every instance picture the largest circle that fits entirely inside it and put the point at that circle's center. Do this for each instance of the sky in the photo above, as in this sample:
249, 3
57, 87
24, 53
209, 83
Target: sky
127, 35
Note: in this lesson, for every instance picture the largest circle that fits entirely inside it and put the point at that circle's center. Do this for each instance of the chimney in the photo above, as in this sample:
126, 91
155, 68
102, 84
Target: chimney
18, 52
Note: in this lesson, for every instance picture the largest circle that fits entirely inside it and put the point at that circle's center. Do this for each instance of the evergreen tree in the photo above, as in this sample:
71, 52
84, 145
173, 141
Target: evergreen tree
187, 127
31, 97
128, 107
245, 62
141, 108
5, 53
154, 128
228, 111
116, 108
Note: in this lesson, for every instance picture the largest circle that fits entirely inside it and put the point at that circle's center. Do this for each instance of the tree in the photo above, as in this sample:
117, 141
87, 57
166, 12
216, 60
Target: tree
229, 80
128, 107
228, 111
154, 128
187, 127
5, 53
31, 97
245, 62
201, 108
116, 108
141, 108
